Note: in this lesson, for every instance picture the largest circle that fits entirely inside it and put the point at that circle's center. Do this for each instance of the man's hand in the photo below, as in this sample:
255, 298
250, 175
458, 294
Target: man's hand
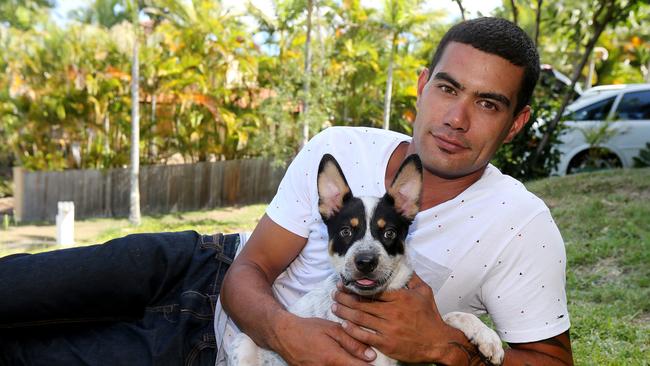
404, 324
314, 341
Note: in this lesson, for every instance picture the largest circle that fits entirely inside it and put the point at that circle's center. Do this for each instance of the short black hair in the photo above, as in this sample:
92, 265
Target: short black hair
499, 37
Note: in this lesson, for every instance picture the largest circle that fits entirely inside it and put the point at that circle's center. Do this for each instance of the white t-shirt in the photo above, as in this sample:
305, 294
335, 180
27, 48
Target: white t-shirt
492, 249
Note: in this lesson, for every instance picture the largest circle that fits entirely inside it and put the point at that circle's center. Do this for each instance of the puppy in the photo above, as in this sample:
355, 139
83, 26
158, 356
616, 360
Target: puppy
367, 237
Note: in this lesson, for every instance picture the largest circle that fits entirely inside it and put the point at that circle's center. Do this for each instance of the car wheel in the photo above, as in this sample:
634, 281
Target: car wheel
593, 160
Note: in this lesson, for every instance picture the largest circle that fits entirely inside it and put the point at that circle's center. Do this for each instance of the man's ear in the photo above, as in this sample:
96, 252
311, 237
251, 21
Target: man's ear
520, 121
422, 80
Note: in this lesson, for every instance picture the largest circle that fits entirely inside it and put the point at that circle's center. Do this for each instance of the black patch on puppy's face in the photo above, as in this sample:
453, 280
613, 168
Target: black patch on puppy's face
389, 227
346, 226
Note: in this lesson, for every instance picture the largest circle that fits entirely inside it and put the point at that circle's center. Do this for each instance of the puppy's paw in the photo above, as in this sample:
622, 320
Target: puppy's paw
486, 339
489, 344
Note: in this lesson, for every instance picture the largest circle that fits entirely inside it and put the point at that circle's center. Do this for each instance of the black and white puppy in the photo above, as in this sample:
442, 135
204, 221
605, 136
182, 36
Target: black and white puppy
367, 249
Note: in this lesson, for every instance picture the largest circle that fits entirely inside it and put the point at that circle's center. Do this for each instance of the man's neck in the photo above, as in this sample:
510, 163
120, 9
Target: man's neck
435, 189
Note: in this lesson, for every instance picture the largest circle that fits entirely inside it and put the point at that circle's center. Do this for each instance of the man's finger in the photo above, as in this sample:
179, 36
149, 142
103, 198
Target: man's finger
414, 284
362, 335
354, 347
358, 317
353, 301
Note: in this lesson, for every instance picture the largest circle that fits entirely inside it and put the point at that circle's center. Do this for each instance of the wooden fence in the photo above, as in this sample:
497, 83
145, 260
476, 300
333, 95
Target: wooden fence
163, 188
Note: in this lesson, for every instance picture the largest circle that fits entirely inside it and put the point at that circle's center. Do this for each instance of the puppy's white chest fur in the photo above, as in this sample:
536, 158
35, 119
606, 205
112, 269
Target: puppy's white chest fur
315, 304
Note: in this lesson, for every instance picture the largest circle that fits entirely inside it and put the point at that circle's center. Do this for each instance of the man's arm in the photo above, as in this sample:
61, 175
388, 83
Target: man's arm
407, 326
552, 351
247, 297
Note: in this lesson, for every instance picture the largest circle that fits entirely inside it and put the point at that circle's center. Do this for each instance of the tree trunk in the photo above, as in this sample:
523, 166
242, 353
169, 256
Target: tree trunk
153, 148
538, 20
462, 10
107, 133
307, 77
389, 82
514, 11
134, 197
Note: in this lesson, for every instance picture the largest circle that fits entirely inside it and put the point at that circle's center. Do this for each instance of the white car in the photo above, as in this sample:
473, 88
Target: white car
606, 128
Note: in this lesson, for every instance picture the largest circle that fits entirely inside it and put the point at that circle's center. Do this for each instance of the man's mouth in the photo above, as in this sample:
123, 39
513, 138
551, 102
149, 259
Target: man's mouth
449, 144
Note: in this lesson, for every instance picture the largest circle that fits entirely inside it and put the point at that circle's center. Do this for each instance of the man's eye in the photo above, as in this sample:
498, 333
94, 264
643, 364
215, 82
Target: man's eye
446, 89
390, 234
488, 105
345, 232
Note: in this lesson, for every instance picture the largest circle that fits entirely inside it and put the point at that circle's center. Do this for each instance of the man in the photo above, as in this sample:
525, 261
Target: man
481, 243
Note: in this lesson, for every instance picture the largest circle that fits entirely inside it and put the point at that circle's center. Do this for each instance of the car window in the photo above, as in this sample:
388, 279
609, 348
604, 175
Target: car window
634, 106
594, 112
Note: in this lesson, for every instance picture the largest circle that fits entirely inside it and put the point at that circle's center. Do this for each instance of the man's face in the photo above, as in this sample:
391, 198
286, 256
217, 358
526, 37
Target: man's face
466, 110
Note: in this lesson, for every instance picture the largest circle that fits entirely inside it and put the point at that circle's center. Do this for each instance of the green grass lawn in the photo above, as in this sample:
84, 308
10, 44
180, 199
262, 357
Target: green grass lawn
604, 218
222, 220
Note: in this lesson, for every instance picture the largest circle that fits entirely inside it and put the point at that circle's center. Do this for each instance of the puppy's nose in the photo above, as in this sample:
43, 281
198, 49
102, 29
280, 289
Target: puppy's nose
366, 262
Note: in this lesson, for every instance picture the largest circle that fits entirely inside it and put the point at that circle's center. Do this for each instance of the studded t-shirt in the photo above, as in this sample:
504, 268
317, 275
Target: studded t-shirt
492, 249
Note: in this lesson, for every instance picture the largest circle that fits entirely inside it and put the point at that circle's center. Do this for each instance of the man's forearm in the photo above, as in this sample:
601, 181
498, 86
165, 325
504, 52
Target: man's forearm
532, 358
552, 351
248, 299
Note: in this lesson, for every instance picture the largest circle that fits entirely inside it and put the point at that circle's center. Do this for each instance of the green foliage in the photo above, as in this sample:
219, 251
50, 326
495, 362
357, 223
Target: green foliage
106, 13
5, 187
643, 160
67, 103
22, 14
515, 158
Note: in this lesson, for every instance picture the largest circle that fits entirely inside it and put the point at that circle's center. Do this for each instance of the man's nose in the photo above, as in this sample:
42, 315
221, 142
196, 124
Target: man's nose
457, 117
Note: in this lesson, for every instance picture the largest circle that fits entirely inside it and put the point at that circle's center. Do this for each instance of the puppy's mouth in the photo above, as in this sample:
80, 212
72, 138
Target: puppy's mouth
365, 283
365, 286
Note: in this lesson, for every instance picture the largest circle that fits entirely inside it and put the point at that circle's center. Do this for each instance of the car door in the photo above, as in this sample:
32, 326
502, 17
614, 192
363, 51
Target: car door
632, 123
579, 125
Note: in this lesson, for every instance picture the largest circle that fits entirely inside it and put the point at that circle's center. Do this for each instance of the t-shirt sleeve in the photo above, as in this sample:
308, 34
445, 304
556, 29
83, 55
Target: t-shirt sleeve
525, 295
292, 204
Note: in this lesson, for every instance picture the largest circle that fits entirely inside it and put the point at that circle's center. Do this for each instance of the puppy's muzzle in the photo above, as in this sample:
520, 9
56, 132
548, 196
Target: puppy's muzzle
366, 262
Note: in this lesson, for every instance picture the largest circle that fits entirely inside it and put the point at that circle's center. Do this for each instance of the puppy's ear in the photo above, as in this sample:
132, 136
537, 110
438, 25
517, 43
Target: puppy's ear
406, 187
333, 189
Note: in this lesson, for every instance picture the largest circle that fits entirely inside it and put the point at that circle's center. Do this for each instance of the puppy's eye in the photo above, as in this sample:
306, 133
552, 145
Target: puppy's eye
345, 232
390, 234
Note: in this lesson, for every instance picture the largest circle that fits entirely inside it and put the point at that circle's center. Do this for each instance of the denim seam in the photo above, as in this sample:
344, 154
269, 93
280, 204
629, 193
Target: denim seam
162, 308
220, 247
197, 315
200, 346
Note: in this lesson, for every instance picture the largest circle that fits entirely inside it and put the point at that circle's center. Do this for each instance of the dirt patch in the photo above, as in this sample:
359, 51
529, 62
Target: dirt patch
642, 319
606, 270
28, 238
